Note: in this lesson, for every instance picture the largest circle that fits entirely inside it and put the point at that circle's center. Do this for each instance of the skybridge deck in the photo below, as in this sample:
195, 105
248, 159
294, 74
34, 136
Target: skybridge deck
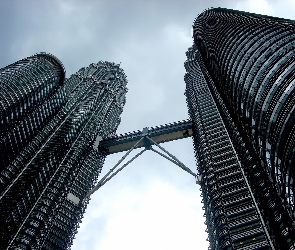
159, 134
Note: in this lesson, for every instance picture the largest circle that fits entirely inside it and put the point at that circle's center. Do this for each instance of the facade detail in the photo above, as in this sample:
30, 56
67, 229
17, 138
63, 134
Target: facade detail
29, 98
55, 134
240, 94
231, 210
58, 165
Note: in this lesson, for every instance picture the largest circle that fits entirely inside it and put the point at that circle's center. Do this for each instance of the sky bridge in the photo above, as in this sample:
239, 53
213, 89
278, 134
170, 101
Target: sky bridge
146, 139
159, 134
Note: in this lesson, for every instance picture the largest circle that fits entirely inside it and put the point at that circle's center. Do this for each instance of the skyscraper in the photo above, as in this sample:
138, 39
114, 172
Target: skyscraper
240, 94
56, 163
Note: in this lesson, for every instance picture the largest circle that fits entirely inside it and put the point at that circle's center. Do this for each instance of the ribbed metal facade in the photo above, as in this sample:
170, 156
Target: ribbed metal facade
231, 213
244, 64
60, 161
29, 98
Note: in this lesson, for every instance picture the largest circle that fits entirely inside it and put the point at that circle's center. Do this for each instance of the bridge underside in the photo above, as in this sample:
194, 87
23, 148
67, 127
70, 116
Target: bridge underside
159, 134
145, 138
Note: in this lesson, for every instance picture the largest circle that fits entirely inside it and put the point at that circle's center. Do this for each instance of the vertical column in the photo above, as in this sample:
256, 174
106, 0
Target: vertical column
232, 218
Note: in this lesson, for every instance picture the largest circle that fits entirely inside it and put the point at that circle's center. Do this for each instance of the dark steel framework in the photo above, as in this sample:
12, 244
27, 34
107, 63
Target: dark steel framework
240, 94
29, 98
56, 163
56, 133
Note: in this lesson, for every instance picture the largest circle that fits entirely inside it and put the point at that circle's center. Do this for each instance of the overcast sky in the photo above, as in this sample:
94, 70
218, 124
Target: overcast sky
152, 204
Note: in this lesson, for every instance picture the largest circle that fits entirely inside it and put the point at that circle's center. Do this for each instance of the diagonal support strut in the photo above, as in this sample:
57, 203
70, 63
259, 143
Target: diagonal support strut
179, 163
170, 157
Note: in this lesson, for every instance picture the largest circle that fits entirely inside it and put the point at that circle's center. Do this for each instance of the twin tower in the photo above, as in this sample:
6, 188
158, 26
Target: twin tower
240, 80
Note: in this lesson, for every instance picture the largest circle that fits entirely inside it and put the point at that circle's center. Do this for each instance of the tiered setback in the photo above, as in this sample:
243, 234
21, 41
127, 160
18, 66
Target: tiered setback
60, 161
